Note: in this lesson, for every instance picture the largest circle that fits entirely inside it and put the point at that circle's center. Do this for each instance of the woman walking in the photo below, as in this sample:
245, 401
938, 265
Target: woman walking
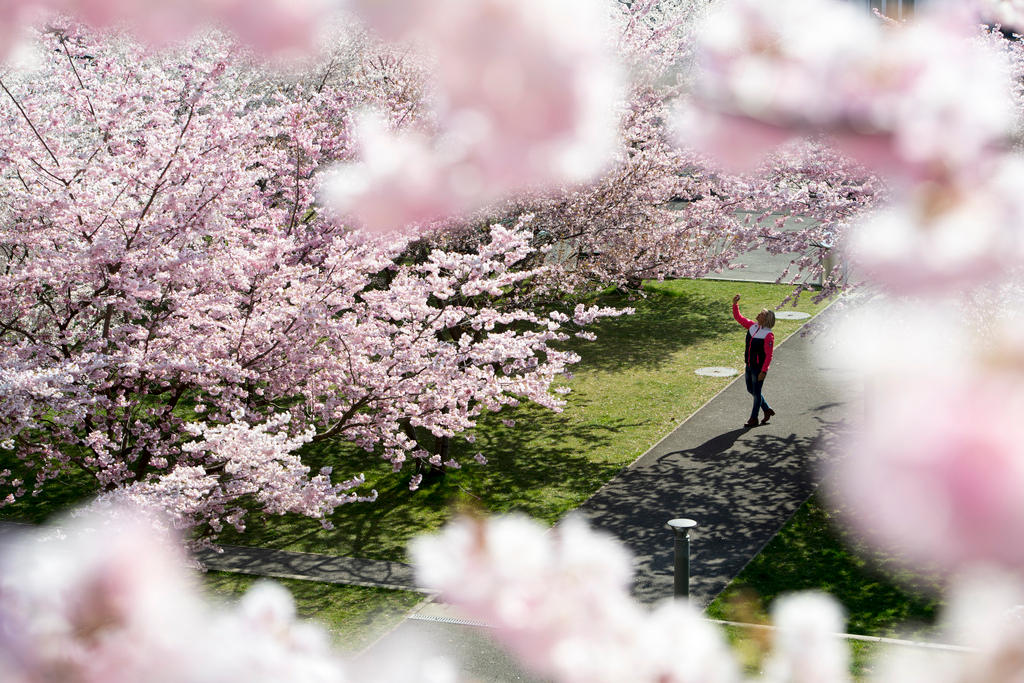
757, 356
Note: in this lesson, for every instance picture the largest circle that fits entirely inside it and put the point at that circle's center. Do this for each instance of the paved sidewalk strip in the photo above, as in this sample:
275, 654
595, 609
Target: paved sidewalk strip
284, 564
444, 614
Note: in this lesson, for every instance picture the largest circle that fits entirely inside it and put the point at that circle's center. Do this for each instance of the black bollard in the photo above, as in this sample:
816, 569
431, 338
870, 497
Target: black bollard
681, 529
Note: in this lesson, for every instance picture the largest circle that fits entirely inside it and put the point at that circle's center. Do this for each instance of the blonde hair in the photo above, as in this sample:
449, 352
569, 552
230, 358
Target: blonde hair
769, 317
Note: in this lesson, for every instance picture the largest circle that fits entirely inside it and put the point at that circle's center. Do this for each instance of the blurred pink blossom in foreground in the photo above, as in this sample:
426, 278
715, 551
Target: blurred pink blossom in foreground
807, 65
934, 470
1008, 14
271, 27
527, 95
935, 476
559, 599
985, 615
947, 232
937, 122
806, 649
107, 599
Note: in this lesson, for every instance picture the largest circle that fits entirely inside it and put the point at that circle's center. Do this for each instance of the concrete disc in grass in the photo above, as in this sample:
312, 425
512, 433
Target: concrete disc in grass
716, 372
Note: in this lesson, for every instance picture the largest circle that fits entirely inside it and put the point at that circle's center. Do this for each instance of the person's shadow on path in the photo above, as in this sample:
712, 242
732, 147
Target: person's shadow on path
716, 446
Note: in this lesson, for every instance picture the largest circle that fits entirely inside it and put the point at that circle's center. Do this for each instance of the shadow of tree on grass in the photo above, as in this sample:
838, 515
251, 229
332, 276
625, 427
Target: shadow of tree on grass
662, 325
537, 467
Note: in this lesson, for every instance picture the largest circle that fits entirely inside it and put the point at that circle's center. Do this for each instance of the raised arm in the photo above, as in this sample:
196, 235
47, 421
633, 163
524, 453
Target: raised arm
736, 313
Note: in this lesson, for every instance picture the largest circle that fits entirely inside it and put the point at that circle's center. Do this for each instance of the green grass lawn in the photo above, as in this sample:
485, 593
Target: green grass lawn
354, 616
808, 553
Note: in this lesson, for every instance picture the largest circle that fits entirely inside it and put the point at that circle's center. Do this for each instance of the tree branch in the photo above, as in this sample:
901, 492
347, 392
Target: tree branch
30, 124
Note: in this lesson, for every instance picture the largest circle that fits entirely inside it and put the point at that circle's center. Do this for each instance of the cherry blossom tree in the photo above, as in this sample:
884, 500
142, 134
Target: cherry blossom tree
628, 225
179, 316
142, 248
823, 192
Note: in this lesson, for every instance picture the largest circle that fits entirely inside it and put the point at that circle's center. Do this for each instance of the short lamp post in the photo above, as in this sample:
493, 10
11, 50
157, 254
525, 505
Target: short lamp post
681, 530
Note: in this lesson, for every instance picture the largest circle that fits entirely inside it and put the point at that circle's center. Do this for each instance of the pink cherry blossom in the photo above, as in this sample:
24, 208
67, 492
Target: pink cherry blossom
272, 28
106, 598
938, 126
805, 646
787, 66
932, 465
946, 232
666, 212
1006, 13
560, 602
932, 459
558, 599
400, 180
982, 619
527, 94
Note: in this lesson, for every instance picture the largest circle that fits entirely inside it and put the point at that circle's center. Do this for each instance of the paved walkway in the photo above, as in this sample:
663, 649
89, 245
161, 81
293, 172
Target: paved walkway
284, 564
740, 485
